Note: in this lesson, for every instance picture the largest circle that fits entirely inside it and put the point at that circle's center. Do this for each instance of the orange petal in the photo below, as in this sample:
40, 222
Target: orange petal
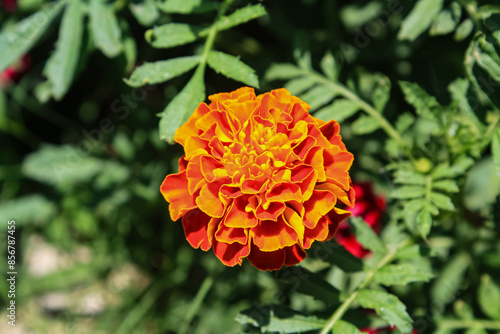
346, 197
231, 235
314, 159
209, 202
194, 175
320, 203
293, 220
335, 217
273, 235
266, 260
331, 131
337, 166
237, 215
195, 224
272, 211
212, 169
230, 254
189, 129
319, 232
283, 191
175, 191
303, 147
250, 186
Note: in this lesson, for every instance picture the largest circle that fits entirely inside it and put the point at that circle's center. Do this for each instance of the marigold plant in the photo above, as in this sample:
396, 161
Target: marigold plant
260, 178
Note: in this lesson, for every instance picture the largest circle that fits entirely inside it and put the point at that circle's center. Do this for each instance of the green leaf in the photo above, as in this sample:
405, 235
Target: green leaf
174, 34
458, 90
241, 16
489, 297
447, 283
495, 150
381, 93
61, 165
283, 71
145, 12
337, 255
488, 64
446, 185
442, 201
366, 236
464, 30
18, 40
415, 205
161, 71
387, 306
406, 192
344, 327
185, 6
33, 208
61, 66
418, 98
330, 67
364, 125
182, 106
482, 185
299, 85
280, 319
402, 274
404, 122
424, 221
232, 68
105, 29
459, 167
339, 110
310, 284
408, 175
443, 24
319, 96
419, 19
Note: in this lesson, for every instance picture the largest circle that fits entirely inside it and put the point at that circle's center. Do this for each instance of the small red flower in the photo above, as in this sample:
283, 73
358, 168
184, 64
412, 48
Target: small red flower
10, 5
368, 206
14, 72
382, 330
260, 179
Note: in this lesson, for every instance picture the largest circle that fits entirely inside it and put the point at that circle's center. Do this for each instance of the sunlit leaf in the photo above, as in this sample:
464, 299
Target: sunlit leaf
283, 71
343, 327
364, 125
105, 28
419, 19
28, 209
489, 297
145, 12
339, 110
241, 16
402, 274
233, 68
174, 34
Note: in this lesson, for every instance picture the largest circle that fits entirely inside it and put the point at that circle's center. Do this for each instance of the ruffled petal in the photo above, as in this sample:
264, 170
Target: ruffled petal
266, 260
175, 191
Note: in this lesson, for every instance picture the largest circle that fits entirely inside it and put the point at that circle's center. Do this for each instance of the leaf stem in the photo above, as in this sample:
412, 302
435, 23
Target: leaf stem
370, 110
196, 303
337, 315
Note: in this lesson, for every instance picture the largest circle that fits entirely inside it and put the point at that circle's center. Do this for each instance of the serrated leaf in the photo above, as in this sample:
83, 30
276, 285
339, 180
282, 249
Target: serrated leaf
311, 284
182, 106
232, 68
443, 24
495, 150
105, 29
145, 12
418, 98
330, 67
28, 209
459, 167
241, 16
161, 71
60, 67
402, 274
283, 71
489, 297
174, 34
419, 19
299, 85
185, 6
424, 221
280, 319
446, 185
19, 39
387, 306
344, 327
366, 236
364, 125
319, 96
57, 165
463, 30
339, 110
442, 201
406, 192
414, 205
447, 283
458, 90
404, 122
408, 175
381, 93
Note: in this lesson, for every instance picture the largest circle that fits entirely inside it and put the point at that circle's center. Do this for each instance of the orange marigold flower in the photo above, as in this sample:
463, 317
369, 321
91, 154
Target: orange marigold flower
260, 178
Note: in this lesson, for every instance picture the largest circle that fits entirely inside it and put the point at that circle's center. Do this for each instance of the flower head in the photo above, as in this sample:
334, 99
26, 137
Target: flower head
370, 207
260, 178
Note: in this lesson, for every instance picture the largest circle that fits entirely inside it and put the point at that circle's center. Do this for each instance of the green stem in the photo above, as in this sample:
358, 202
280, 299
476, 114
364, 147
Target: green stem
455, 324
370, 110
195, 305
339, 313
